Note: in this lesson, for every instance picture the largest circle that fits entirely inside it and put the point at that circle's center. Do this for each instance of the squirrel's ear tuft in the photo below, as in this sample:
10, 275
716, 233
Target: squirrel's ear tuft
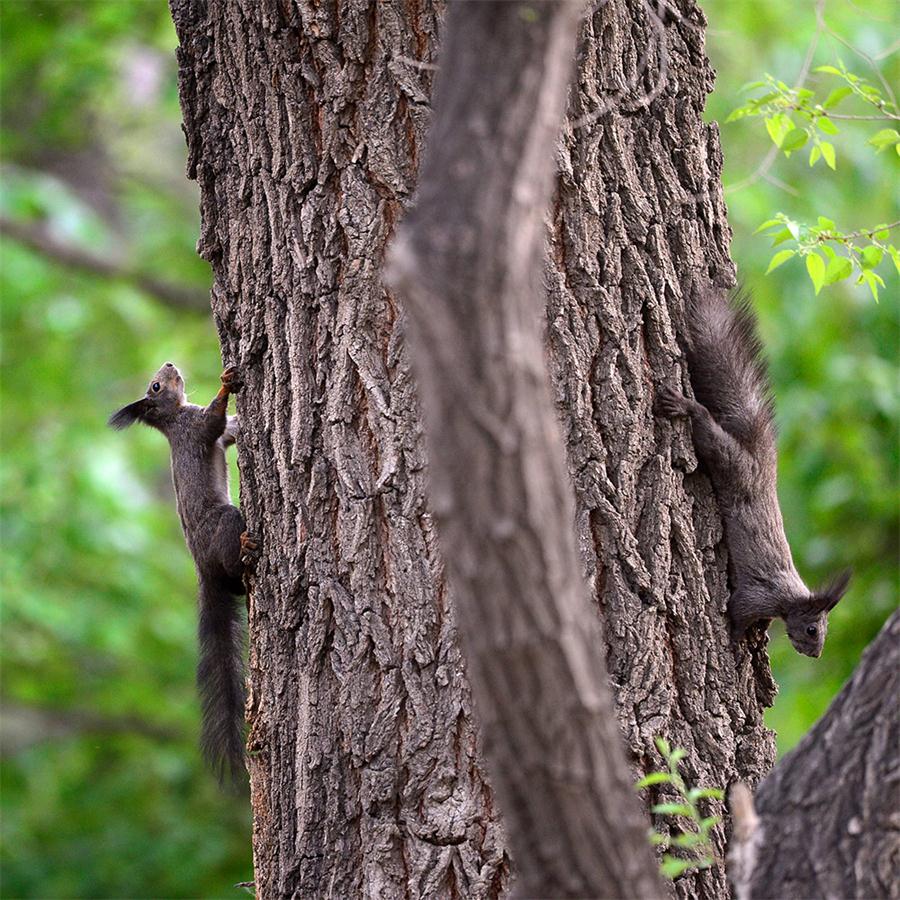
128, 415
830, 596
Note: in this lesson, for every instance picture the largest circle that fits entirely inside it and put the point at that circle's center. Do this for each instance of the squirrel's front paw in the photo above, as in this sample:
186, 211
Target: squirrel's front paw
669, 402
231, 380
249, 549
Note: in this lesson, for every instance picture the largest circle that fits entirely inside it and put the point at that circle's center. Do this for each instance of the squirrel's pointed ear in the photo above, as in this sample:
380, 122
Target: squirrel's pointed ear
128, 415
830, 596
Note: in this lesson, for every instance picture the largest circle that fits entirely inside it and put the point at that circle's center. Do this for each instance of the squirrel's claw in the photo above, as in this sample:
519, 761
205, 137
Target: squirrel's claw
231, 380
249, 549
669, 402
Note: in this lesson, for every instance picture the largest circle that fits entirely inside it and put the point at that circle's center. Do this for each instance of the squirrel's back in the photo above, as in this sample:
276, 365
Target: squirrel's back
727, 369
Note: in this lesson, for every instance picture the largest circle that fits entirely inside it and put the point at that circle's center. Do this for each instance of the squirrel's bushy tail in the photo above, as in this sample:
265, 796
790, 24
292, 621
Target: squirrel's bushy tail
220, 679
727, 369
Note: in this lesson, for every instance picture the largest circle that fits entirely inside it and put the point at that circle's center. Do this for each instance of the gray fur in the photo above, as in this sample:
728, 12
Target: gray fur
734, 436
215, 534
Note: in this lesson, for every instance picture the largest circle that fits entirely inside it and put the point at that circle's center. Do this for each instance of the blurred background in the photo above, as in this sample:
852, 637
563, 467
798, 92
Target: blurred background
103, 792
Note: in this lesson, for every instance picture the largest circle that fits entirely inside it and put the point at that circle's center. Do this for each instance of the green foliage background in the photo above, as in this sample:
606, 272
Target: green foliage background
103, 792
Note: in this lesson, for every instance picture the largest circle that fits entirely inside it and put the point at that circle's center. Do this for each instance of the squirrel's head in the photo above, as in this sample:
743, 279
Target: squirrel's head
807, 620
165, 394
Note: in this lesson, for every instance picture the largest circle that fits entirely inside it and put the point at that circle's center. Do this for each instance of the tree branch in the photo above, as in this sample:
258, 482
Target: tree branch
824, 826
25, 726
41, 241
467, 262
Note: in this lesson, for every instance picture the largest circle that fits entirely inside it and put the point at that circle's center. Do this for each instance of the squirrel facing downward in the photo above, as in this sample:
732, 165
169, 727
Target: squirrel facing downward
734, 437
216, 536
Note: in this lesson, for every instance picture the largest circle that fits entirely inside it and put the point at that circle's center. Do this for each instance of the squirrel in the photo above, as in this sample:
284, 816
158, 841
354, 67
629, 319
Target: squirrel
733, 429
217, 538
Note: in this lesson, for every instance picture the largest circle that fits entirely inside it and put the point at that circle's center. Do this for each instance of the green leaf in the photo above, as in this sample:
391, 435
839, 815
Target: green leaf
828, 154
815, 266
826, 126
881, 232
778, 126
814, 154
884, 138
871, 256
672, 867
794, 140
836, 96
794, 228
656, 839
653, 778
779, 237
825, 223
872, 280
838, 269
769, 223
752, 86
779, 259
663, 746
700, 793
827, 250
676, 756
895, 256
689, 839
672, 809
831, 70
708, 822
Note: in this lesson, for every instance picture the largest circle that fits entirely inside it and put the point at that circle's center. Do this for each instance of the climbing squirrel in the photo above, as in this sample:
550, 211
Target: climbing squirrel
734, 437
217, 538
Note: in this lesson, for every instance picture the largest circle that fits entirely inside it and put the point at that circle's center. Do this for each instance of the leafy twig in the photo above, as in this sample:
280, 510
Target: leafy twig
831, 267
694, 841
802, 75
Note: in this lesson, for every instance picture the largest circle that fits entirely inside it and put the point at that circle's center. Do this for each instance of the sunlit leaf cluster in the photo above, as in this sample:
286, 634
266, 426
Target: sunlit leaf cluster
859, 251
799, 116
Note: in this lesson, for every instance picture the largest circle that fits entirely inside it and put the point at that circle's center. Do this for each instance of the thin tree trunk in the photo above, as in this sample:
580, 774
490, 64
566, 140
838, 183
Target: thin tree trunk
305, 121
827, 813
467, 261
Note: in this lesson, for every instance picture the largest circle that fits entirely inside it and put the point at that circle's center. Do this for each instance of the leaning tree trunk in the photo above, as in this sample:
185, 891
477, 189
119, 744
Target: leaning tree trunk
826, 816
304, 123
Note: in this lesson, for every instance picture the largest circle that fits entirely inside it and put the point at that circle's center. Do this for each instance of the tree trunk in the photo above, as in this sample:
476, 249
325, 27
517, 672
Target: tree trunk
466, 264
827, 813
304, 124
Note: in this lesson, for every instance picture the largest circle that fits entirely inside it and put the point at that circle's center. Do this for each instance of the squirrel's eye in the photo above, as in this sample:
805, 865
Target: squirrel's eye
811, 630
155, 387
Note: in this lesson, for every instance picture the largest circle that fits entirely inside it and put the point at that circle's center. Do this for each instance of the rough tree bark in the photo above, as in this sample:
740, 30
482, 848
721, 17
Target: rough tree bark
827, 813
304, 123
467, 263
